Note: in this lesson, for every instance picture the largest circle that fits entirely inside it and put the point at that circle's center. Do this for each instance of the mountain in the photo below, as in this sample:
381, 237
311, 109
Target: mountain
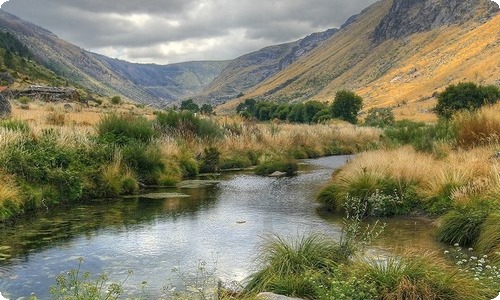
152, 84
250, 69
396, 53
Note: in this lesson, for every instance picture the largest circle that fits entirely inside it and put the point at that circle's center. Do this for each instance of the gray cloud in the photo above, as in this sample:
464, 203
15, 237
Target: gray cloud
166, 31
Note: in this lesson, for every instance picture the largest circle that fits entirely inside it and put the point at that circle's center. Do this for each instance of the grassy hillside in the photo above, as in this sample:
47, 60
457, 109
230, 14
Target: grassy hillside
403, 73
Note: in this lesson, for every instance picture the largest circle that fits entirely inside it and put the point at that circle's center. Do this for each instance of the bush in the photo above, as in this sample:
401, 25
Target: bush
289, 167
462, 225
187, 124
210, 160
488, 241
284, 265
346, 106
380, 117
123, 129
116, 100
235, 162
465, 96
145, 161
422, 277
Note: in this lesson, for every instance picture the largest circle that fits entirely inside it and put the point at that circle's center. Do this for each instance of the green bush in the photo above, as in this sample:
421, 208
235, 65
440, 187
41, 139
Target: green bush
346, 106
123, 129
380, 117
235, 162
465, 96
289, 167
145, 161
210, 160
462, 225
116, 100
187, 124
284, 265
421, 277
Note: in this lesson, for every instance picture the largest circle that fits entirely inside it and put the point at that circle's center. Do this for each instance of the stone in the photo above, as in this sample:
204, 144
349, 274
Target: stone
197, 184
68, 107
5, 107
159, 196
277, 174
272, 296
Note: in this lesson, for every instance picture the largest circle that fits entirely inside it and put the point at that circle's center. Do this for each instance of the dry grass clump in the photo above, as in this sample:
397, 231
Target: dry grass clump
10, 197
480, 127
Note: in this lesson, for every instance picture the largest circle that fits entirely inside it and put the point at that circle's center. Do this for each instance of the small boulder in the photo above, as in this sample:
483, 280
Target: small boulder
68, 107
277, 174
5, 107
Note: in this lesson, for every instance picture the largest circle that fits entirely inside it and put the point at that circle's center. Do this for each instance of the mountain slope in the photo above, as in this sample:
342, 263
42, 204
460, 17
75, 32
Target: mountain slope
160, 84
391, 55
250, 69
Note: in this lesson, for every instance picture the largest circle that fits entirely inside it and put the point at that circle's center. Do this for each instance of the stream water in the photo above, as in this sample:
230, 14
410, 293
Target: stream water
222, 225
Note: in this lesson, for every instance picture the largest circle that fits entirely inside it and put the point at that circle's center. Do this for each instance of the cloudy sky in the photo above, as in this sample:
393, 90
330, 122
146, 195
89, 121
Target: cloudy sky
168, 31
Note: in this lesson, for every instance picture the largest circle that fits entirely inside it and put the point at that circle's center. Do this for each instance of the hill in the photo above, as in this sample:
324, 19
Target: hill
250, 69
396, 53
160, 84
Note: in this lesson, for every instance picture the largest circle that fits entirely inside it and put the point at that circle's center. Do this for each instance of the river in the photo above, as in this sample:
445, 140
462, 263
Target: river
222, 225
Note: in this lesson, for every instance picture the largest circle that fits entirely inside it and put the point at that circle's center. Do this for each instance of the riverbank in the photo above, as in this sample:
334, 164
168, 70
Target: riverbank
58, 158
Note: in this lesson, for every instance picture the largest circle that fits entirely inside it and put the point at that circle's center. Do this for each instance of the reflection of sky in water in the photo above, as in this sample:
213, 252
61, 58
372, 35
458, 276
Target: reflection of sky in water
222, 225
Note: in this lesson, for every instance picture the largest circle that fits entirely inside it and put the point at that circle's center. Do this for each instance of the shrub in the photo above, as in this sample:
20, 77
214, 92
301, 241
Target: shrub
145, 161
187, 124
210, 160
465, 96
287, 166
116, 100
57, 118
235, 162
380, 117
488, 241
123, 129
346, 106
477, 128
462, 225
24, 100
421, 277
284, 264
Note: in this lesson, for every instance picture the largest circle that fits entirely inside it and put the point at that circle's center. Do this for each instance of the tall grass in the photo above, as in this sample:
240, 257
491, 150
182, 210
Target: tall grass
122, 129
283, 264
477, 128
420, 277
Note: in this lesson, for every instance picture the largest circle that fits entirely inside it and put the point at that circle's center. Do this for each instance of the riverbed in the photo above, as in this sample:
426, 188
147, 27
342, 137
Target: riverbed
221, 224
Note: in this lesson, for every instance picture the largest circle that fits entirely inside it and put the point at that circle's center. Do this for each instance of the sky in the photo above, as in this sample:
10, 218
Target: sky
169, 31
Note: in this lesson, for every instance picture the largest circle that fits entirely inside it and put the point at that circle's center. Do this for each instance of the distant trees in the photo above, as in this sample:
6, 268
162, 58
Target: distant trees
116, 100
465, 96
190, 106
345, 106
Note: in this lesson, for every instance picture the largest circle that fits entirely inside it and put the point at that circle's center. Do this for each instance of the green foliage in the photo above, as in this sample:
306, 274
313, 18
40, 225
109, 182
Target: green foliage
287, 166
207, 109
308, 112
235, 162
380, 117
210, 160
116, 100
123, 129
465, 96
79, 285
462, 225
43, 163
285, 263
9, 42
421, 136
24, 100
488, 241
189, 105
420, 277
145, 161
15, 125
186, 124
346, 106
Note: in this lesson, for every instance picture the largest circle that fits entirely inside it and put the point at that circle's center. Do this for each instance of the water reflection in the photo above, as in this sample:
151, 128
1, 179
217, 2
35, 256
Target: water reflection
222, 224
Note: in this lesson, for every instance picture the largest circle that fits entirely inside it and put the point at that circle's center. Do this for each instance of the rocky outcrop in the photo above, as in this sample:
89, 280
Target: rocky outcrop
5, 108
407, 17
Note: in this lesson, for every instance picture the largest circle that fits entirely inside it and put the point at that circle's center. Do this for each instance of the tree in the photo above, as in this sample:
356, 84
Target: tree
465, 96
248, 105
190, 105
207, 109
311, 108
346, 106
380, 117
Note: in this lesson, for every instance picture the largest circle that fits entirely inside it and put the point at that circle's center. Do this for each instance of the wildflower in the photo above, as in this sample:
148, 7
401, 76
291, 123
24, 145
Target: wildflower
446, 252
456, 245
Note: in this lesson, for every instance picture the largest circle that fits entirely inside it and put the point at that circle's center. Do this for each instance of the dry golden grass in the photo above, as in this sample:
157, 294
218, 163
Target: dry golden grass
478, 128
9, 192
